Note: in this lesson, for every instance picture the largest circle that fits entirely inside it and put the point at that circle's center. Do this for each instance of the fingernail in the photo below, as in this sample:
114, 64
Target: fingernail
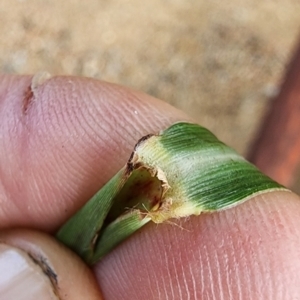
21, 278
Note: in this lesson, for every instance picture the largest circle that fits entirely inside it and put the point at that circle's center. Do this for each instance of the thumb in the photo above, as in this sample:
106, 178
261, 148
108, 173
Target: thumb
34, 266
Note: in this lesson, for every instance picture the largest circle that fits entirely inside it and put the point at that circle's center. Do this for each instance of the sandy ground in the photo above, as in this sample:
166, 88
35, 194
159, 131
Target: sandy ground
220, 61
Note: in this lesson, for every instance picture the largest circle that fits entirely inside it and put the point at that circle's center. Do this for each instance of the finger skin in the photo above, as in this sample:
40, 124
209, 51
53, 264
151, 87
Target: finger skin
248, 252
62, 140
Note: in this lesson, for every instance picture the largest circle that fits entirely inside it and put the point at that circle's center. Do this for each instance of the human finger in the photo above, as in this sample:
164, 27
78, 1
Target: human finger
62, 139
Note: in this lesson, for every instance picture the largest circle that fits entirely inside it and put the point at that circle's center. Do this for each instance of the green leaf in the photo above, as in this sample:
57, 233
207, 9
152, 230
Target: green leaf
185, 170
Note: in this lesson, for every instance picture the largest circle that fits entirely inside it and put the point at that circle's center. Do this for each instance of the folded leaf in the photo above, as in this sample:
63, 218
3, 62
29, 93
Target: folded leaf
182, 171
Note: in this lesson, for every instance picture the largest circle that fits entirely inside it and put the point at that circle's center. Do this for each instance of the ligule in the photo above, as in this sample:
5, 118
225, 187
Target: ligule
183, 171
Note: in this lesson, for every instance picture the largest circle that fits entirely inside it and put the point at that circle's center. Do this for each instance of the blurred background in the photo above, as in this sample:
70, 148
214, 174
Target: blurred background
223, 62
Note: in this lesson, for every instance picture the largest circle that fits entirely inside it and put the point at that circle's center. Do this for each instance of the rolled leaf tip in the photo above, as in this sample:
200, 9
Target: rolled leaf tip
182, 171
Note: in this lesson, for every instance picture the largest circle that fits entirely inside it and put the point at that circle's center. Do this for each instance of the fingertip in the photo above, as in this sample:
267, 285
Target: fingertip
63, 138
251, 250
